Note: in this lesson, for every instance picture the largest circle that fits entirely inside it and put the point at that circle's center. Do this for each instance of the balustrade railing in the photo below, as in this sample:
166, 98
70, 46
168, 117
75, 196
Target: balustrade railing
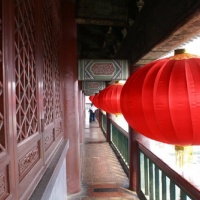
156, 179
119, 138
104, 123
160, 182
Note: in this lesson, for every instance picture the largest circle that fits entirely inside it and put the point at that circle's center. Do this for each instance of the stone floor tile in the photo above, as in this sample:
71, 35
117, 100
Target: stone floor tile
100, 169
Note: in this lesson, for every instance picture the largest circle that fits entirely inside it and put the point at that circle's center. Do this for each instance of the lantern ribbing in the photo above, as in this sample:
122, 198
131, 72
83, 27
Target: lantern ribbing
161, 100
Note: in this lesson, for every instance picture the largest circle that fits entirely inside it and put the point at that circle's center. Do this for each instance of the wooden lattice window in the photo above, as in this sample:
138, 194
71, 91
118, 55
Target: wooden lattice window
48, 72
56, 28
57, 95
25, 69
2, 130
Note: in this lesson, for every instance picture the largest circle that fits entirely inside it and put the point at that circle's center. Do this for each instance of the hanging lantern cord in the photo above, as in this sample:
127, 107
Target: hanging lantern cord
179, 51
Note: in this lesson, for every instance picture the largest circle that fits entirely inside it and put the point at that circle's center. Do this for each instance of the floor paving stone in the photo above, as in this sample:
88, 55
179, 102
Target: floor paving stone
102, 175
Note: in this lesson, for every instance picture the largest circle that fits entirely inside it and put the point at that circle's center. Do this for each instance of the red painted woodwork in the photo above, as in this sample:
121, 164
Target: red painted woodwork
134, 161
52, 114
29, 89
161, 100
81, 112
70, 92
26, 100
2, 85
34, 114
108, 131
109, 98
28, 140
6, 156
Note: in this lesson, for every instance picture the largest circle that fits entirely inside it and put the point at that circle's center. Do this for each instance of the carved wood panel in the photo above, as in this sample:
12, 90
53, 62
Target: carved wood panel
58, 130
4, 188
28, 161
49, 138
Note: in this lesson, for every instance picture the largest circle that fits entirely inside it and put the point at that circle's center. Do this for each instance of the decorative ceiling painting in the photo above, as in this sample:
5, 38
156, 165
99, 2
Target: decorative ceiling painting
93, 85
103, 70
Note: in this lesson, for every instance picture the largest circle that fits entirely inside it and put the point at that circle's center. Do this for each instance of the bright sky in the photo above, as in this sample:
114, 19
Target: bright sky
192, 47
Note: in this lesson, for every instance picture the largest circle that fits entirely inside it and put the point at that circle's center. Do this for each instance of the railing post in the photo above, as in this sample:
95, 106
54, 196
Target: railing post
108, 122
100, 118
134, 172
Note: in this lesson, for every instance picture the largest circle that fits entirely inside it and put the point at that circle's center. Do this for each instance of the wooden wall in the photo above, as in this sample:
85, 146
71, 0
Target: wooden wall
30, 99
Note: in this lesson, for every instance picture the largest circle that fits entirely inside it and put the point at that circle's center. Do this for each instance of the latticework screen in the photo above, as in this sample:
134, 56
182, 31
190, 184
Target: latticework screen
56, 29
29, 89
25, 69
57, 94
51, 75
48, 74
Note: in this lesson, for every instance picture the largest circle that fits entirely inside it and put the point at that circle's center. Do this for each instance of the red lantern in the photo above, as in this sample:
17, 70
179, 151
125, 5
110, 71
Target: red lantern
96, 100
110, 98
91, 98
162, 100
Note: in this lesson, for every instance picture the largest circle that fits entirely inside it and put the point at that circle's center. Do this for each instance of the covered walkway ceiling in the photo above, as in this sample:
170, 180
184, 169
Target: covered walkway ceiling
118, 29
102, 26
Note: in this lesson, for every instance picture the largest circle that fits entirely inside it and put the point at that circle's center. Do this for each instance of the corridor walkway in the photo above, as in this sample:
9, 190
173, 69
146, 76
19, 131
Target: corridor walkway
102, 175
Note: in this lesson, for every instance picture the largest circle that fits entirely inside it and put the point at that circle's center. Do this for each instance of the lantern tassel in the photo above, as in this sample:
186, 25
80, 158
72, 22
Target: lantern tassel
184, 155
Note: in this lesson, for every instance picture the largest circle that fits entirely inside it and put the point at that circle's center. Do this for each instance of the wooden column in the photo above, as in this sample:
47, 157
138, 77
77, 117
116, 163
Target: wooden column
8, 173
70, 93
84, 114
108, 116
134, 175
81, 118
100, 118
